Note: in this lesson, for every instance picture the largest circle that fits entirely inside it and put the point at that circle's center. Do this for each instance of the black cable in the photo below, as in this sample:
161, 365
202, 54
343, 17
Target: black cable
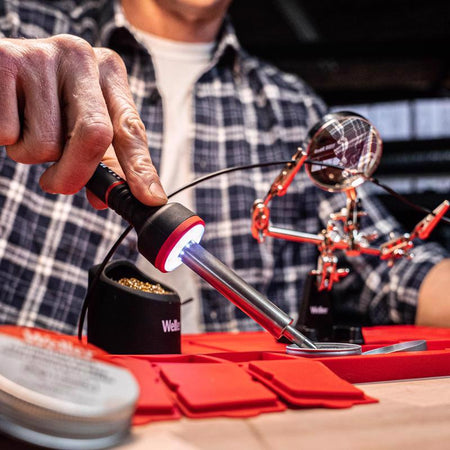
87, 298
246, 167
404, 199
223, 171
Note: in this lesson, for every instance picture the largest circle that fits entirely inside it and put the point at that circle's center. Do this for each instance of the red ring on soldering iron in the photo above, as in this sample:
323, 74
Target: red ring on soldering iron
173, 239
110, 188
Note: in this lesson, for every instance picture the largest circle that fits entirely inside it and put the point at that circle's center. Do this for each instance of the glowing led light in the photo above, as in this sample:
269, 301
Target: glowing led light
194, 234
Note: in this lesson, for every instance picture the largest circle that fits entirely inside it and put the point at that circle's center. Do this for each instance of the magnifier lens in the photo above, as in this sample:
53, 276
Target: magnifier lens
347, 140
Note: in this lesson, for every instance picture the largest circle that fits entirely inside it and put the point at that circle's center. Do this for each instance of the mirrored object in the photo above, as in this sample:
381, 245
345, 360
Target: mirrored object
348, 141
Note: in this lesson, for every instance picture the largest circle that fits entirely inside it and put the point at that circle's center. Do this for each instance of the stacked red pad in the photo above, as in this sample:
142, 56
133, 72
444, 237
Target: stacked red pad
307, 383
189, 385
223, 389
155, 402
258, 382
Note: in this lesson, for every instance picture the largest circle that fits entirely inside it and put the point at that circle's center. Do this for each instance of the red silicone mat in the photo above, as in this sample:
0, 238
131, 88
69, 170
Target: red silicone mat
203, 390
245, 374
394, 366
249, 373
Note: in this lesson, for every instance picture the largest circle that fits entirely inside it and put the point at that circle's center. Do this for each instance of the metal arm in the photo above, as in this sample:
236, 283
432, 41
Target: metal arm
400, 246
342, 231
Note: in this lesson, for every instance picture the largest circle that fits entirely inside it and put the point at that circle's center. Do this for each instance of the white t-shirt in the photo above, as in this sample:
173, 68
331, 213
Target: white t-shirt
178, 65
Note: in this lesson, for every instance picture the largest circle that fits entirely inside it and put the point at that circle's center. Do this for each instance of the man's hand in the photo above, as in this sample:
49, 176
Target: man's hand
66, 102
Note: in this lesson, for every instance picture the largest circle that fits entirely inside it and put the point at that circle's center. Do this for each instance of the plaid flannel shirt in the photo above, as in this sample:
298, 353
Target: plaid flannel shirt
245, 111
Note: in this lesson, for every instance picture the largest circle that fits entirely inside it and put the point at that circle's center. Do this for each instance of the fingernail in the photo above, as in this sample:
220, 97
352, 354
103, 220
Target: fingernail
157, 191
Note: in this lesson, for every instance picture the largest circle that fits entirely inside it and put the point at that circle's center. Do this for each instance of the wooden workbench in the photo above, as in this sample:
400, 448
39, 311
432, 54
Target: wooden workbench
413, 414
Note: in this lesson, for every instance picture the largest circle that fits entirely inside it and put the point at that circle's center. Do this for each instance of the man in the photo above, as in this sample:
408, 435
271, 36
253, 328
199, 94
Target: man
68, 102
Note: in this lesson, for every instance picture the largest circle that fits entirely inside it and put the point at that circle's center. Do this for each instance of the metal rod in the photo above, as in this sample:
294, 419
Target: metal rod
241, 294
292, 235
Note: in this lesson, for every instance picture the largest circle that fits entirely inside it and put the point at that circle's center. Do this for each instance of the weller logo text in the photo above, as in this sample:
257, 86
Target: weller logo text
318, 310
170, 326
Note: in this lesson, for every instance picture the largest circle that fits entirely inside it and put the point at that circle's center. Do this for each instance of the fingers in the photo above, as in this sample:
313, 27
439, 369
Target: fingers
88, 128
9, 112
39, 133
53, 109
110, 160
64, 102
30, 123
130, 140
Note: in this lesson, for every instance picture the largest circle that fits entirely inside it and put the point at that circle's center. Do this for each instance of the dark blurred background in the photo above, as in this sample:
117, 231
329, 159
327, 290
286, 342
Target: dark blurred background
389, 60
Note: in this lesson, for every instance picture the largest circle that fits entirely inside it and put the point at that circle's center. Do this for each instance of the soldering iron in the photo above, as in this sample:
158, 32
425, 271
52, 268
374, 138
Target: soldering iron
170, 235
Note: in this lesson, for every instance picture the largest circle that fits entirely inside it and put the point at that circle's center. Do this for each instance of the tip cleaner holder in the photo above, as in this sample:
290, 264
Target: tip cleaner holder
170, 235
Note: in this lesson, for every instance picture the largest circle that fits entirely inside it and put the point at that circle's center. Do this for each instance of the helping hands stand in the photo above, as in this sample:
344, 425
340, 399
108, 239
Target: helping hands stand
342, 231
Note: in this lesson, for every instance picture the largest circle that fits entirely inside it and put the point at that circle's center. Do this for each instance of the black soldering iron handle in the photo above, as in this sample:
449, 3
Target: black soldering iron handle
114, 191
157, 227
103, 181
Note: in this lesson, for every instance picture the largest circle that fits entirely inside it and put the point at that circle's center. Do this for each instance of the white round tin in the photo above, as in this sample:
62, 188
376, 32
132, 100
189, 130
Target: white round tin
58, 393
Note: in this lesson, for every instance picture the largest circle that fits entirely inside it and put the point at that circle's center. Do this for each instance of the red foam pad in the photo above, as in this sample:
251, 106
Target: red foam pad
307, 383
230, 342
218, 389
155, 402
305, 378
176, 358
242, 357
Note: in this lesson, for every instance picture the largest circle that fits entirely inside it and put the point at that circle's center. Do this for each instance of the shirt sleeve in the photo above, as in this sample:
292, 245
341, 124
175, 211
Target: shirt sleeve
374, 293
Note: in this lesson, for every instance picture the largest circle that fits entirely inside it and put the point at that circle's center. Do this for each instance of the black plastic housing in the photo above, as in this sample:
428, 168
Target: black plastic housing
123, 320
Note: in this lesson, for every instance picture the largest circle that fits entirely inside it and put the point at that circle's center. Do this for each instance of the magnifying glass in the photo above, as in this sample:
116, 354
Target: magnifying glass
347, 140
